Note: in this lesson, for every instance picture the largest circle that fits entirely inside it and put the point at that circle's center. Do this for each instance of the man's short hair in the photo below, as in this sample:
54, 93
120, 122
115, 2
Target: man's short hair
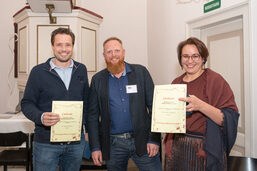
112, 38
62, 30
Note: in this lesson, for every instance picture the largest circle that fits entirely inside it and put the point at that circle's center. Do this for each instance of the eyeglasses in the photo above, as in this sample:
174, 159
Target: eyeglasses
194, 57
109, 52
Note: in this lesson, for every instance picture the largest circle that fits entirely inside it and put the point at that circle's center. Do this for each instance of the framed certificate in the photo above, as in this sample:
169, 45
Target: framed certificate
69, 126
168, 113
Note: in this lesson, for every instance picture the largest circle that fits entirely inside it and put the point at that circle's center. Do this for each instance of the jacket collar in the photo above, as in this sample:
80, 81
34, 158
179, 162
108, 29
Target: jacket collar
48, 66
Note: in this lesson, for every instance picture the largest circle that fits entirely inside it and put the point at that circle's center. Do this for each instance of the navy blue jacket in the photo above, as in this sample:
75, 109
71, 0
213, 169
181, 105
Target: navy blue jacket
44, 85
98, 116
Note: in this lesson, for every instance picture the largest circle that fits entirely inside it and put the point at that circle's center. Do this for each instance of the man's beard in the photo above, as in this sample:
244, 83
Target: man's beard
115, 68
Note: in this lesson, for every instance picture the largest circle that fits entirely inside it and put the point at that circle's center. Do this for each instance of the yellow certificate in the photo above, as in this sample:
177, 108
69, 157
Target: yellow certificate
169, 114
69, 126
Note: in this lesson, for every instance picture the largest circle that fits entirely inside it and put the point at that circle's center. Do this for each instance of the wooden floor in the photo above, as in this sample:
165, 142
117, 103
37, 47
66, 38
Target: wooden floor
131, 167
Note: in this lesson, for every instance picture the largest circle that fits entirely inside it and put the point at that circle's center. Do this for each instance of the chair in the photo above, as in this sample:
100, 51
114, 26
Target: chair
242, 163
14, 156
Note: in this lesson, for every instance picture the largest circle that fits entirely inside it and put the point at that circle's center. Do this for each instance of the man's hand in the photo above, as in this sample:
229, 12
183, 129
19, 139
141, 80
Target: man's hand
152, 149
97, 157
50, 119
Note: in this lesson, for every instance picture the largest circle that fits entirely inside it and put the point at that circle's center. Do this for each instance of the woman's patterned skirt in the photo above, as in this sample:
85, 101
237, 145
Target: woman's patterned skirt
188, 154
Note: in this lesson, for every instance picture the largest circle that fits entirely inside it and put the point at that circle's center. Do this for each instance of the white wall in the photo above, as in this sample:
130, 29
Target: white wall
150, 30
8, 86
125, 19
253, 35
166, 28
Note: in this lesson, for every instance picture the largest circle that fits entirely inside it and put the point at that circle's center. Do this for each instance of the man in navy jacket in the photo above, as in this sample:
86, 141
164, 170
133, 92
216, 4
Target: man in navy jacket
119, 113
63, 79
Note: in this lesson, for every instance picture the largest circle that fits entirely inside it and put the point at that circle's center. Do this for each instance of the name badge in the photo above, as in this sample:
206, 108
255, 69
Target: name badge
131, 89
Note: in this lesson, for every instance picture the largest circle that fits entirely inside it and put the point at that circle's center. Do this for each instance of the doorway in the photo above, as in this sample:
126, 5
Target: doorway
226, 35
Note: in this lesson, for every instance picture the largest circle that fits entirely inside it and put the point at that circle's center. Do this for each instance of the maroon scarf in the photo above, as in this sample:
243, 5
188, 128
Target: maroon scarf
219, 95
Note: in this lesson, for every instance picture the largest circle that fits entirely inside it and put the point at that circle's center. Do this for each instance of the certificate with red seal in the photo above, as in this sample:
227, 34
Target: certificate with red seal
168, 113
69, 126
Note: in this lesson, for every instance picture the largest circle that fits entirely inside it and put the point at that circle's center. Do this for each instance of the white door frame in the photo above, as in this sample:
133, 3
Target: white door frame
194, 27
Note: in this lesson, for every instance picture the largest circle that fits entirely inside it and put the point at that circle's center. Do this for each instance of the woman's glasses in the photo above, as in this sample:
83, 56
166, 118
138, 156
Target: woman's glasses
194, 57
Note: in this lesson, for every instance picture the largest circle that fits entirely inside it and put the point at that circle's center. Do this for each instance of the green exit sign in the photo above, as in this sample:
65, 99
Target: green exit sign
211, 5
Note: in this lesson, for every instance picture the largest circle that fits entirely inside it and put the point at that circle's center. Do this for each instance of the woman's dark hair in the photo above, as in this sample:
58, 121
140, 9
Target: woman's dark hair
202, 49
62, 31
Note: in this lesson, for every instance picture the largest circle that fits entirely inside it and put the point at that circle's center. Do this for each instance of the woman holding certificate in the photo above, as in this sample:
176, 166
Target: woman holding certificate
212, 115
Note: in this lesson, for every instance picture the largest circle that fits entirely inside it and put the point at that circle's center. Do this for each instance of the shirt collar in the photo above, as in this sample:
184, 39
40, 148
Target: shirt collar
54, 66
126, 70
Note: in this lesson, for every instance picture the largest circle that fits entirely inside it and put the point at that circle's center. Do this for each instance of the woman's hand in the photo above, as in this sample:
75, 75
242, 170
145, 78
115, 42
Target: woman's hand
196, 104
